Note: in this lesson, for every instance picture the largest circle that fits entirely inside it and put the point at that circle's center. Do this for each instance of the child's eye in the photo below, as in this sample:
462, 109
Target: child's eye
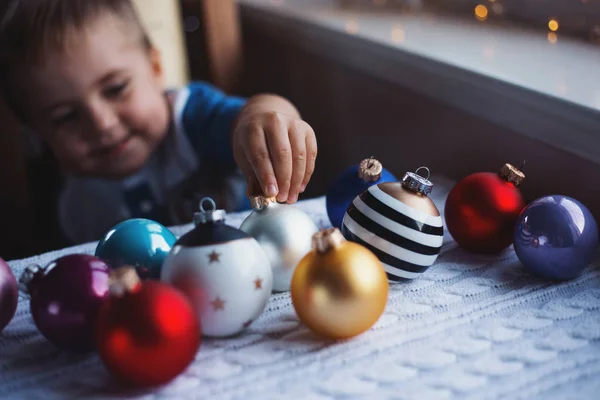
114, 91
64, 117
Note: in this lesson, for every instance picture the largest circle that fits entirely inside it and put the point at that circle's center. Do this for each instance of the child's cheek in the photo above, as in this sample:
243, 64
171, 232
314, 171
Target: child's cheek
71, 147
146, 114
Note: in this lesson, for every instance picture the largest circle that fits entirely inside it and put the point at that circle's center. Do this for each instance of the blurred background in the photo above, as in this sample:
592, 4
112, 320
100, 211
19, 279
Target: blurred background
579, 18
408, 89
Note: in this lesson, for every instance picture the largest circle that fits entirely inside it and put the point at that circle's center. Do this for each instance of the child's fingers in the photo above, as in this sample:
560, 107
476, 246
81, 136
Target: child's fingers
297, 135
281, 154
257, 154
311, 158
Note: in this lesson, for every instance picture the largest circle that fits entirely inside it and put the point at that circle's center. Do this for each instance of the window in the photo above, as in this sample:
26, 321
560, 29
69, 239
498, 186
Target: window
523, 69
578, 18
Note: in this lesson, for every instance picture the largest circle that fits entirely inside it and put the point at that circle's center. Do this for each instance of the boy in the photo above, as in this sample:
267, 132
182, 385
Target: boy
84, 76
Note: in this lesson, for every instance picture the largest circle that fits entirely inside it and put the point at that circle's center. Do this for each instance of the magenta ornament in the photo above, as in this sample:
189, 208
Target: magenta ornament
9, 294
66, 296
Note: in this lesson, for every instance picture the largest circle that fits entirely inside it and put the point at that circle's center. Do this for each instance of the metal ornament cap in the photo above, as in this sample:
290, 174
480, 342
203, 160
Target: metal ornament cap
205, 216
511, 174
28, 275
416, 183
369, 170
259, 203
123, 280
327, 239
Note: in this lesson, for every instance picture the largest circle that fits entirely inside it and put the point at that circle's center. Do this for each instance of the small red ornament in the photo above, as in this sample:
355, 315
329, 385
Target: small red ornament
146, 333
482, 209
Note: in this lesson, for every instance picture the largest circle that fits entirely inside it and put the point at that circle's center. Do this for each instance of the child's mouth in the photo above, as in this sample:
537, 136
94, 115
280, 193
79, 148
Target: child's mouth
117, 149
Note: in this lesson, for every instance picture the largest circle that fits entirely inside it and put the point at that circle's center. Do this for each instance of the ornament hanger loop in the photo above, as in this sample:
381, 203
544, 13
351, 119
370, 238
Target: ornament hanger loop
210, 201
522, 166
370, 162
27, 277
425, 168
208, 215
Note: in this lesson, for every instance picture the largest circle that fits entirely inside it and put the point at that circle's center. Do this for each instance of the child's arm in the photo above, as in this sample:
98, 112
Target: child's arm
275, 149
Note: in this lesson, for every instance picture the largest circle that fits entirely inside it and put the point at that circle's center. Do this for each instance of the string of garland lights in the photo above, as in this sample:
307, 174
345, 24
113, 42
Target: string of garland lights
575, 18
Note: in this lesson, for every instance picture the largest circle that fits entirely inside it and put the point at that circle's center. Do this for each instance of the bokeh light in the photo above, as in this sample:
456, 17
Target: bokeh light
397, 34
351, 26
481, 12
191, 23
488, 52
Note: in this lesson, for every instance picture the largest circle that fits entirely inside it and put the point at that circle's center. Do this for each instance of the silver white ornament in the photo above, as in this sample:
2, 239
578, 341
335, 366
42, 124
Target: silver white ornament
285, 234
224, 272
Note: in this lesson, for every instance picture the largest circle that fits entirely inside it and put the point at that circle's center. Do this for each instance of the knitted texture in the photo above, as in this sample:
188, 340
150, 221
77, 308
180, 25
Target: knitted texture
472, 327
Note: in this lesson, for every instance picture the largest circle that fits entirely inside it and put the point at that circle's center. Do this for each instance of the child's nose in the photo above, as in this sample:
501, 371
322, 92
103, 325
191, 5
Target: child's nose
104, 118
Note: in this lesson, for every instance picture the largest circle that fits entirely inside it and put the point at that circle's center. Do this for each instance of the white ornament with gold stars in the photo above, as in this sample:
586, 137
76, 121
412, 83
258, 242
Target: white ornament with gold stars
223, 271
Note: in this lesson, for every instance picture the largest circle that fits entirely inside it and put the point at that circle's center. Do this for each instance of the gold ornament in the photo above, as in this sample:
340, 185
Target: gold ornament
339, 289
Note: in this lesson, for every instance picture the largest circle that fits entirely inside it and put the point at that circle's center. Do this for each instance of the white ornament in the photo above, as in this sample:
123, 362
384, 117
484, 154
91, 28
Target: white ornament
223, 271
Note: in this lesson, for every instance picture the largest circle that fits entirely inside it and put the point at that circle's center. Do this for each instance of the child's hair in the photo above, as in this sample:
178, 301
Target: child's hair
30, 29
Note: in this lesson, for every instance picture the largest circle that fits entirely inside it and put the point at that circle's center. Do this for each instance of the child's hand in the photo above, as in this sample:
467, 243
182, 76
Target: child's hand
276, 152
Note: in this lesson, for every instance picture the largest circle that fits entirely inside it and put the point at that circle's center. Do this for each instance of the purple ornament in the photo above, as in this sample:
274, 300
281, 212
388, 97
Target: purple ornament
9, 294
65, 298
556, 237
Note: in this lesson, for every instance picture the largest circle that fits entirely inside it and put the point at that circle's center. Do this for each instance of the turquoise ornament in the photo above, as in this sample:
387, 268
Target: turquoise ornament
141, 243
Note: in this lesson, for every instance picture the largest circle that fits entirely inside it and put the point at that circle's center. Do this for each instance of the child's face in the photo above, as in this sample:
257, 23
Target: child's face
99, 104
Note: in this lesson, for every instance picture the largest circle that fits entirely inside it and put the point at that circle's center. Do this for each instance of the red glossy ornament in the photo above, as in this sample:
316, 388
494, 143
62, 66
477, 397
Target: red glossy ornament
482, 209
146, 333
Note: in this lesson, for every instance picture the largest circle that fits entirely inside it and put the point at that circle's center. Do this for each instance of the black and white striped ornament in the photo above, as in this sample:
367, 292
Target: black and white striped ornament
399, 223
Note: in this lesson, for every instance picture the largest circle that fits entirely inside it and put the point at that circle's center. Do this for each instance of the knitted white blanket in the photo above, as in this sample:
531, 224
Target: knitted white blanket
472, 327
